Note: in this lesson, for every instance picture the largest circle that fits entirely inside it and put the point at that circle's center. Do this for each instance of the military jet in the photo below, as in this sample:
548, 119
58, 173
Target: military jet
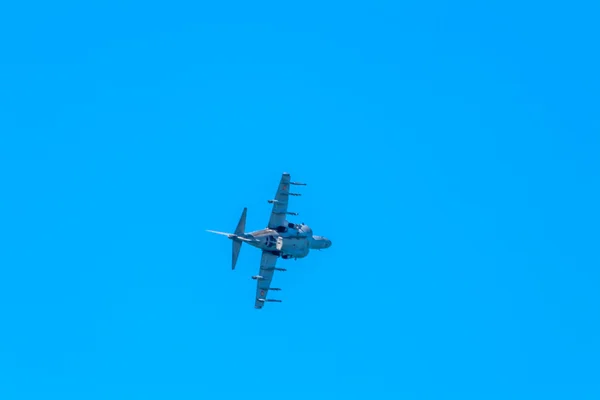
280, 239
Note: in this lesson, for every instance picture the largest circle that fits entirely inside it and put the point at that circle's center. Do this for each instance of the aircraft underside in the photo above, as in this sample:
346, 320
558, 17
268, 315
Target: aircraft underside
281, 239
282, 246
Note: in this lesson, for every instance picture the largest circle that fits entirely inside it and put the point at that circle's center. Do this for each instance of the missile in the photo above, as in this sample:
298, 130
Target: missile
269, 300
273, 201
283, 213
298, 183
258, 277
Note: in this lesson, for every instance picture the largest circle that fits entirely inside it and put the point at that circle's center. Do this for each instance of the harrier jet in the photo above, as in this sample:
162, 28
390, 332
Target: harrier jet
280, 239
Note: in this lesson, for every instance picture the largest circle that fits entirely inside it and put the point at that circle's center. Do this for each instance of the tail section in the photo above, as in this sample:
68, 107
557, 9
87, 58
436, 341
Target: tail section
237, 237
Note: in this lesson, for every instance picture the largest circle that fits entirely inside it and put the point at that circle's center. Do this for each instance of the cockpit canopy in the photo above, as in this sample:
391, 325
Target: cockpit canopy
303, 230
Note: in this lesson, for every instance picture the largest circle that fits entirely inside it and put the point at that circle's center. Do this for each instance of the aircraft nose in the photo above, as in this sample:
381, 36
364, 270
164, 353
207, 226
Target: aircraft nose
321, 242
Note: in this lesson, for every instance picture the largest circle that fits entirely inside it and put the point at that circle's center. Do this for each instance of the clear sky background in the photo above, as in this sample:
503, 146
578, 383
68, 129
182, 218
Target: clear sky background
452, 155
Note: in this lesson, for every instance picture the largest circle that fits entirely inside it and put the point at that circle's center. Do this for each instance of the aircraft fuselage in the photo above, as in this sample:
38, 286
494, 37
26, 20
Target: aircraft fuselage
288, 241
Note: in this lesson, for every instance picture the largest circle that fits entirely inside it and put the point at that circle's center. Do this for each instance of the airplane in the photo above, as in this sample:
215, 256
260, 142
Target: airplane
280, 239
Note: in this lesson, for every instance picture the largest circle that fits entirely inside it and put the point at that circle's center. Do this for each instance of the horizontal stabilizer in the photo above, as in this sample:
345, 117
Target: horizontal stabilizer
239, 230
235, 252
274, 269
238, 238
284, 213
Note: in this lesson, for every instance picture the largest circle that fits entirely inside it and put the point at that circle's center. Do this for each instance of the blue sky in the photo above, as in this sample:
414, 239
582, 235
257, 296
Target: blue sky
451, 151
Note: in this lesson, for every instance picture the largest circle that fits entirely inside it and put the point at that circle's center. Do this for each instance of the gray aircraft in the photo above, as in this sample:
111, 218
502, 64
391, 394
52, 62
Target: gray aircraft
279, 239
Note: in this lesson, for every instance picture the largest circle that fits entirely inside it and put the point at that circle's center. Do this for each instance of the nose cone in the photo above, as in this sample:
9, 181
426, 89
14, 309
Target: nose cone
320, 242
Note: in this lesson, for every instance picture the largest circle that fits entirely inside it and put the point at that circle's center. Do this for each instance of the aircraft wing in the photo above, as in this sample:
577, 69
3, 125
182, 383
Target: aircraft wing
266, 272
280, 202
